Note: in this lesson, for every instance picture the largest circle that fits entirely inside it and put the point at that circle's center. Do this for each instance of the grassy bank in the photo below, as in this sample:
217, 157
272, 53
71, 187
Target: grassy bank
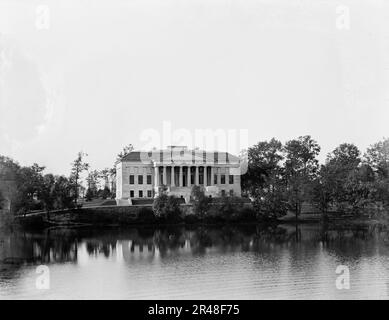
336, 218
132, 215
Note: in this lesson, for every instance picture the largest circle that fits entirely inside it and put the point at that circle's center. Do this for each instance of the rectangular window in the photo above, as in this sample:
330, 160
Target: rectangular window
223, 193
140, 179
140, 194
131, 193
149, 179
216, 157
132, 179
215, 179
149, 194
231, 193
231, 179
223, 179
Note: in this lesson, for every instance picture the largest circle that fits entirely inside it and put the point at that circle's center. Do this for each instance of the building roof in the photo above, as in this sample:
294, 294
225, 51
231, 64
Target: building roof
181, 154
133, 156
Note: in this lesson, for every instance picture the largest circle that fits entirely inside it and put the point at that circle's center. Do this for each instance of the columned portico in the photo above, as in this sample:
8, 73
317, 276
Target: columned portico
156, 176
172, 176
180, 175
181, 183
164, 176
189, 176
178, 171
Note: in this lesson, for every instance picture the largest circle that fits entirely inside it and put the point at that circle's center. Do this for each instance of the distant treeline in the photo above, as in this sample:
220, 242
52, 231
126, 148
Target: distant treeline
25, 189
284, 177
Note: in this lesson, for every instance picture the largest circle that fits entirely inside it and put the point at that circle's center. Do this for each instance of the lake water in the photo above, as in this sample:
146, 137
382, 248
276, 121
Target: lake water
252, 262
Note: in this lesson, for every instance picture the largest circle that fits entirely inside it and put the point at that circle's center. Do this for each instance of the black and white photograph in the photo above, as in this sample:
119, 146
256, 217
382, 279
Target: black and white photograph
194, 150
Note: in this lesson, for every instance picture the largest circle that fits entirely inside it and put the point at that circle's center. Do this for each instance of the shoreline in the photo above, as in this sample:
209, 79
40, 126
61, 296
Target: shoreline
132, 216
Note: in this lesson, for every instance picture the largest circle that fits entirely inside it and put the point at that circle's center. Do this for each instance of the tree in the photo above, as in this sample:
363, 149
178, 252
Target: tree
301, 168
126, 150
106, 193
8, 181
104, 174
1, 200
26, 184
89, 195
263, 162
48, 193
321, 194
377, 157
29, 186
112, 174
200, 201
358, 188
8, 168
264, 181
342, 166
227, 207
166, 207
92, 181
63, 193
78, 166
233, 209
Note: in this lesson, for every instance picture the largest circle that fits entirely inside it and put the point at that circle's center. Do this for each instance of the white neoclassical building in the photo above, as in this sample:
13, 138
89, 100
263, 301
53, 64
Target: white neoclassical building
142, 174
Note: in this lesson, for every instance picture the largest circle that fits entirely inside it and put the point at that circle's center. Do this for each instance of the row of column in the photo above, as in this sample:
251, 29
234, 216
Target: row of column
181, 176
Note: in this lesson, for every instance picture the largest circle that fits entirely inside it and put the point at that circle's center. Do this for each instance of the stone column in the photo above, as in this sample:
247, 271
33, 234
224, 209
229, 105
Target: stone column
189, 182
156, 176
212, 174
181, 182
205, 176
197, 176
164, 176
172, 183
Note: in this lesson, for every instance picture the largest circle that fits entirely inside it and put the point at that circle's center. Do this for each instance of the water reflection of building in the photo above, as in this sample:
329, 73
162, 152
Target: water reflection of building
154, 244
133, 250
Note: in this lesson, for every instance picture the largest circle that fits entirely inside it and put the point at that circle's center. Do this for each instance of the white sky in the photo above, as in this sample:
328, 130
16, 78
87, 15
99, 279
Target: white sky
104, 71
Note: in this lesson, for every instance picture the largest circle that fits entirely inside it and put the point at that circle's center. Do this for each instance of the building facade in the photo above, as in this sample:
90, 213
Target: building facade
143, 175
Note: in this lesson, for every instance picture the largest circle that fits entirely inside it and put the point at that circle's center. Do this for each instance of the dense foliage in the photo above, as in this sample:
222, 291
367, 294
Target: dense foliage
167, 208
282, 178
1, 200
30, 189
200, 202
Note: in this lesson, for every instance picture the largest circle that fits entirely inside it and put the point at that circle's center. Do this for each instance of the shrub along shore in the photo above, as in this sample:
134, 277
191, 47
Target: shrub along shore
165, 210
223, 213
